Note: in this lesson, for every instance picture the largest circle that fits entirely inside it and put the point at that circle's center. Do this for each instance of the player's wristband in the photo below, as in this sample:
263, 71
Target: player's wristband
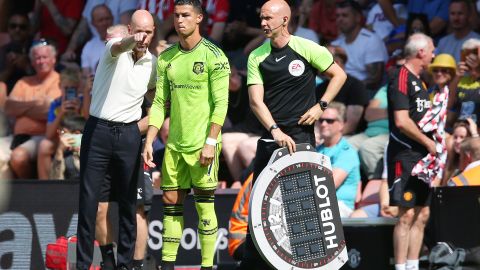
475, 135
211, 141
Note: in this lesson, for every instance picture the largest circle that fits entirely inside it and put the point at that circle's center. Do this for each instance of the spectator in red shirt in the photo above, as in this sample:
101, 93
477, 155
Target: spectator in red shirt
56, 19
216, 12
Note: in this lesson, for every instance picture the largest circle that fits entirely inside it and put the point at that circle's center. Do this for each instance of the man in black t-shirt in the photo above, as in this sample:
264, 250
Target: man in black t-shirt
408, 102
353, 94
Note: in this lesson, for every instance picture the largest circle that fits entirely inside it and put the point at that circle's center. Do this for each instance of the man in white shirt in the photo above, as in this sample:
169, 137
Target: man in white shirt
366, 52
102, 19
121, 11
111, 140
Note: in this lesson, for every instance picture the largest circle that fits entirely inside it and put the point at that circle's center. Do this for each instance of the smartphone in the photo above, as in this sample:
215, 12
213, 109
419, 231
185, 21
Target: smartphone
70, 93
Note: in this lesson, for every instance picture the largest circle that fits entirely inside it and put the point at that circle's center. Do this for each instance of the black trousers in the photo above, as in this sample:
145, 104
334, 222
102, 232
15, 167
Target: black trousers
252, 259
114, 147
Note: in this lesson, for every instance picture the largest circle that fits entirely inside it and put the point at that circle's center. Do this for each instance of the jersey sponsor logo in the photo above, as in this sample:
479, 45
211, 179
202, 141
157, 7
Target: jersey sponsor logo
222, 66
198, 68
279, 59
422, 104
296, 68
184, 86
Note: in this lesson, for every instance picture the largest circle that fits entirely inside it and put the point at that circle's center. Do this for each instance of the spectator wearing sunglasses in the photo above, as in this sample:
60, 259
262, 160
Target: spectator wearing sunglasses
14, 62
343, 157
29, 103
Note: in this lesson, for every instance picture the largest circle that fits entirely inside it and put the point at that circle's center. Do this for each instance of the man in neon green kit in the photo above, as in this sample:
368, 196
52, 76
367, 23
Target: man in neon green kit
193, 75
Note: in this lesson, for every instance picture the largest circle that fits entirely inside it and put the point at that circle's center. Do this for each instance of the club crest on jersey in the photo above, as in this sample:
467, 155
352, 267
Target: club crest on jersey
198, 67
296, 68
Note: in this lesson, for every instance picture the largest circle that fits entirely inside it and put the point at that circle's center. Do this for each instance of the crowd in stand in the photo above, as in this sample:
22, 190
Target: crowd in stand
49, 51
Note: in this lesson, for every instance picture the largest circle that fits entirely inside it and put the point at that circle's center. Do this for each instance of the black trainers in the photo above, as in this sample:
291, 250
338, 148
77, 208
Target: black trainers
167, 266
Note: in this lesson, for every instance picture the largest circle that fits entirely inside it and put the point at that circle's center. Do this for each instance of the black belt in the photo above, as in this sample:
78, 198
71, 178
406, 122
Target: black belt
111, 123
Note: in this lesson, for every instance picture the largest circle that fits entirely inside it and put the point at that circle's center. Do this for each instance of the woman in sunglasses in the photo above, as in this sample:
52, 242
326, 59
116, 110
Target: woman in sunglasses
443, 70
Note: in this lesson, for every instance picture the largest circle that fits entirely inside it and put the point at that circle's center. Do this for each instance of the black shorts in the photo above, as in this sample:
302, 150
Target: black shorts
406, 190
144, 189
266, 146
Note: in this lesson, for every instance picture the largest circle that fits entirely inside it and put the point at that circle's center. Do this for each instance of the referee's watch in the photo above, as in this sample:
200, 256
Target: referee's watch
274, 126
323, 105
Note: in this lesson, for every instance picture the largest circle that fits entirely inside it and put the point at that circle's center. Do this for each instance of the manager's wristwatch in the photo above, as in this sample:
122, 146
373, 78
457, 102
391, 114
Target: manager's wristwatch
323, 105
274, 126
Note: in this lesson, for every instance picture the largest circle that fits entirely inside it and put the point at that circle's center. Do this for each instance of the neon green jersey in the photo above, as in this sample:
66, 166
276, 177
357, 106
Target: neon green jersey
196, 83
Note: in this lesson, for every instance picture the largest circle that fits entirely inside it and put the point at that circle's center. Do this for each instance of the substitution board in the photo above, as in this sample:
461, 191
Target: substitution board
294, 218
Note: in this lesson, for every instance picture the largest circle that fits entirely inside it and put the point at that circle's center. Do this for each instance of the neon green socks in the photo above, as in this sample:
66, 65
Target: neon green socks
207, 227
172, 231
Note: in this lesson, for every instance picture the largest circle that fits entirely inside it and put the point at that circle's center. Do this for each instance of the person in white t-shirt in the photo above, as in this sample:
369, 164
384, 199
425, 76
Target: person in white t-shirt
121, 11
366, 52
378, 22
102, 19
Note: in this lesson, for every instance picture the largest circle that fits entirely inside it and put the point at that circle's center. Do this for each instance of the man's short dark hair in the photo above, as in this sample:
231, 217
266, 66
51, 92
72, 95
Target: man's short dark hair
73, 122
354, 5
18, 14
467, 2
197, 4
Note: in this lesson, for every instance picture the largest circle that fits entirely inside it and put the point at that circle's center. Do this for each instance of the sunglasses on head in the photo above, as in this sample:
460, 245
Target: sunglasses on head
40, 42
328, 120
20, 26
441, 70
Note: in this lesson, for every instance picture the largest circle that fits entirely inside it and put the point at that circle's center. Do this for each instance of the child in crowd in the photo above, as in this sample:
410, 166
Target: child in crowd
66, 162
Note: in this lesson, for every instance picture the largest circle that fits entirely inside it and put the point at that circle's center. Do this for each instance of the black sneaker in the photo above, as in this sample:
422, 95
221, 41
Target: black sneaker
167, 266
103, 267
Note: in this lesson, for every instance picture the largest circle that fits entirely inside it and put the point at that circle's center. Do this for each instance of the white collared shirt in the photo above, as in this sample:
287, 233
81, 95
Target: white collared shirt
120, 84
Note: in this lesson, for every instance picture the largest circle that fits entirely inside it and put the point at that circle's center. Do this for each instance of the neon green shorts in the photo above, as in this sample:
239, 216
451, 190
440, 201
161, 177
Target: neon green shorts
183, 170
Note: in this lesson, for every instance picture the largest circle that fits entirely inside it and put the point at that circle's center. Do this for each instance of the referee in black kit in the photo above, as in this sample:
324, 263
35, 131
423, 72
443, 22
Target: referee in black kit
111, 140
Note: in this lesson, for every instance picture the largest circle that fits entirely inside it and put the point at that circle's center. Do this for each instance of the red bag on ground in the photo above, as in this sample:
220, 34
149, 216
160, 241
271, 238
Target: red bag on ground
56, 255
